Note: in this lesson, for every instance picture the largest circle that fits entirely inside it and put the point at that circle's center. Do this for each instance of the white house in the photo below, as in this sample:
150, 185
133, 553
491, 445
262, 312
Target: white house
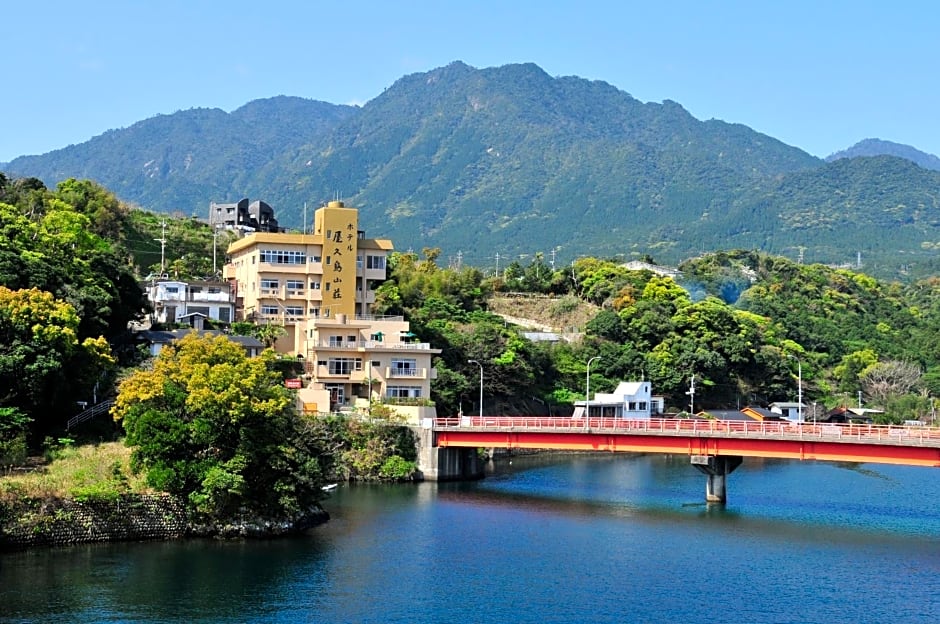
177, 301
792, 411
632, 400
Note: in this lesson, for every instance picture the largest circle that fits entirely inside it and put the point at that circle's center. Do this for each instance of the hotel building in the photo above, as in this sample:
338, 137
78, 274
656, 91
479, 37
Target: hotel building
319, 286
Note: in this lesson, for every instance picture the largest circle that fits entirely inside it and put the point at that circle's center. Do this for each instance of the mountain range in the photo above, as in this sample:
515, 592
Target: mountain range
507, 162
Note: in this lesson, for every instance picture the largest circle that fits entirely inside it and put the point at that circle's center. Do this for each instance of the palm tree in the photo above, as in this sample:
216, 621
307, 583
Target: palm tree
268, 334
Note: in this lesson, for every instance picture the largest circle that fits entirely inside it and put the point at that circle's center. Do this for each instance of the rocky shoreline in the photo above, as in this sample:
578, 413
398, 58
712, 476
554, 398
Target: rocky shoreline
30, 523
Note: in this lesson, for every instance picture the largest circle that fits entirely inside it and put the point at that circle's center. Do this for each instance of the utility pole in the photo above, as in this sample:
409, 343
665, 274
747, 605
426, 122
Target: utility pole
162, 241
552, 261
691, 394
215, 238
497, 265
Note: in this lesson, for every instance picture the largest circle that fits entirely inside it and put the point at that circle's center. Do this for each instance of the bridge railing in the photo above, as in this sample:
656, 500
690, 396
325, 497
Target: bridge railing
886, 434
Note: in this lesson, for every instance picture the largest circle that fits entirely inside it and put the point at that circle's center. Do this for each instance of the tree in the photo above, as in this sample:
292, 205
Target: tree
42, 360
883, 380
218, 428
269, 334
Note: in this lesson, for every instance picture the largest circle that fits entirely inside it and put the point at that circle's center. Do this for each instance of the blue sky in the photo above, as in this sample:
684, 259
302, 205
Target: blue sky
819, 75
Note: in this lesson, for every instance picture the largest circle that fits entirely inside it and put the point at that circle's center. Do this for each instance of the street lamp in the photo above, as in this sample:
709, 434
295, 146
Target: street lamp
799, 395
587, 390
481, 384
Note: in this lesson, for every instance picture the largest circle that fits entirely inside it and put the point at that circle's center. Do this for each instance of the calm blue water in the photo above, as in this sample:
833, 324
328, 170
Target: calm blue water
564, 538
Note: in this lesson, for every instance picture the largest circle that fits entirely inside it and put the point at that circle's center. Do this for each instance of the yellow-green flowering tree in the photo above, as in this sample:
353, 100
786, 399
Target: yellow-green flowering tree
219, 428
42, 360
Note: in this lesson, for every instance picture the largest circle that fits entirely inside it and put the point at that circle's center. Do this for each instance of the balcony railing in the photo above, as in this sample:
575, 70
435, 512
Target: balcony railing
212, 297
372, 345
406, 373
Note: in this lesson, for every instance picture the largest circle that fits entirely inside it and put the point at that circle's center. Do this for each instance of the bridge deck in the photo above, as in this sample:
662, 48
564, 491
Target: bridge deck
827, 442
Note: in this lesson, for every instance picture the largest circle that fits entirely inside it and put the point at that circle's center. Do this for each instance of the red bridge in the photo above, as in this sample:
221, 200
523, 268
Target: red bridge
716, 447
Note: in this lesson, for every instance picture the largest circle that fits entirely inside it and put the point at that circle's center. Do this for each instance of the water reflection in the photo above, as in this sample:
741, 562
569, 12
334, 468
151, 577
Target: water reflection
548, 538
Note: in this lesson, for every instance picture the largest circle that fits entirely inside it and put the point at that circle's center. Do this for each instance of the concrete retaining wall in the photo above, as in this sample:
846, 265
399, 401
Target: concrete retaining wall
56, 522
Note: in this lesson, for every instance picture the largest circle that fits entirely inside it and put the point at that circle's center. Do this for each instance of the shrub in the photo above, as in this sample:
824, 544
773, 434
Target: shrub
397, 467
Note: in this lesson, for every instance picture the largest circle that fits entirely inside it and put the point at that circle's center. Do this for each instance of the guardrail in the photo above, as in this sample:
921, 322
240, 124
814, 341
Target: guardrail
848, 433
89, 413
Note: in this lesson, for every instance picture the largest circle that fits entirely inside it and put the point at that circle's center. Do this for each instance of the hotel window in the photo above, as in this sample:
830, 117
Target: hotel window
313, 259
403, 392
375, 262
295, 285
315, 285
404, 367
344, 366
269, 310
294, 310
274, 256
270, 284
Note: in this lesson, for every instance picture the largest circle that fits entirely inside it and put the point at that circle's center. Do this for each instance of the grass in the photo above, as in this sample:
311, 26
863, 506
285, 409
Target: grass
95, 470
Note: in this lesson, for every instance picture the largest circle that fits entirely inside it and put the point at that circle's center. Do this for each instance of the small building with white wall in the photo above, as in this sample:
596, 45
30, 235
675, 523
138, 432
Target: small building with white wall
792, 411
632, 400
175, 301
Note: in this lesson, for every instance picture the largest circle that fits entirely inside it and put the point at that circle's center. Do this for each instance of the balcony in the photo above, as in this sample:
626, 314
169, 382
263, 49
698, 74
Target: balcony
406, 373
341, 345
375, 345
220, 297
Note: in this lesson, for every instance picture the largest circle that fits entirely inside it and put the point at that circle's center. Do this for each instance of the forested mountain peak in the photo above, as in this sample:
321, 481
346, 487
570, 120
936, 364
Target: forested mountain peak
878, 147
511, 161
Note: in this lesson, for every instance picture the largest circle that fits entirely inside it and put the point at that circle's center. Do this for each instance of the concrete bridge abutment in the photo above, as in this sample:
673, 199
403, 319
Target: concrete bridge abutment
453, 463
716, 468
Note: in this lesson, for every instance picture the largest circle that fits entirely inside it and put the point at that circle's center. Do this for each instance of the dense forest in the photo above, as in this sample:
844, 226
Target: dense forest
745, 324
499, 162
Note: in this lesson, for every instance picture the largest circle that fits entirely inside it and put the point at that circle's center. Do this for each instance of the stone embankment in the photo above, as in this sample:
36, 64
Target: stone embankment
30, 523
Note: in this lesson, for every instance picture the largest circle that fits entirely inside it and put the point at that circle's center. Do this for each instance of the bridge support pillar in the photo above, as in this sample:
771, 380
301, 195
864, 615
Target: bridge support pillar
445, 464
716, 468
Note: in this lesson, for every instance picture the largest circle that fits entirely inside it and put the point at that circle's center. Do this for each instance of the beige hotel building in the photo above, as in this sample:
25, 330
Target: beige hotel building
320, 287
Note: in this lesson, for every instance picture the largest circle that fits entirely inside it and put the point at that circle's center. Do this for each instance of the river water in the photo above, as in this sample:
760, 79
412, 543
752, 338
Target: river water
548, 538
